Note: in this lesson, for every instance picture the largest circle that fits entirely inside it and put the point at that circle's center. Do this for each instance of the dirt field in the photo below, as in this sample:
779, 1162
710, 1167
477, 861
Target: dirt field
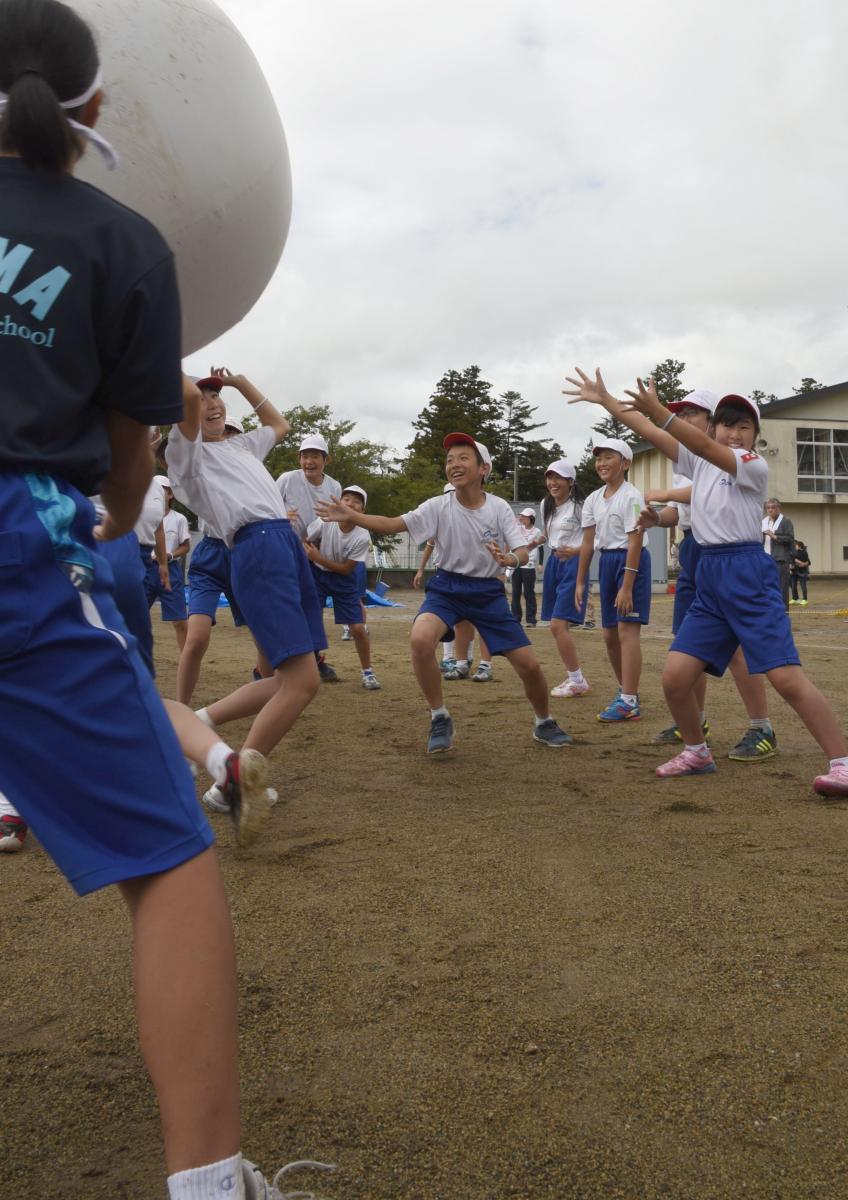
510, 972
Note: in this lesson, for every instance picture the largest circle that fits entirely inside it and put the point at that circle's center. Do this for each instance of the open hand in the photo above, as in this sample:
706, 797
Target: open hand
645, 400
649, 518
591, 391
332, 510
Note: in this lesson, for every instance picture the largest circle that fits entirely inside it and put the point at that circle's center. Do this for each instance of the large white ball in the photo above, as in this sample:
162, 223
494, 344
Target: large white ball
203, 153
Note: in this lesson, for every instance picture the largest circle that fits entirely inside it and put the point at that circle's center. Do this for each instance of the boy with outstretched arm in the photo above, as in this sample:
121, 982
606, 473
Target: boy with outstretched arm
738, 600
477, 536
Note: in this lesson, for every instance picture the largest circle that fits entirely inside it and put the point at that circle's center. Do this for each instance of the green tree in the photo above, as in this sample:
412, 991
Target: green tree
808, 384
760, 398
667, 379
516, 422
462, 401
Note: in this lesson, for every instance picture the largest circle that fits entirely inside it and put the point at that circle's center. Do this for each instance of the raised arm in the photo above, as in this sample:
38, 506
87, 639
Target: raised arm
334, 510
594, 391
189, 426
646, 401
261, 405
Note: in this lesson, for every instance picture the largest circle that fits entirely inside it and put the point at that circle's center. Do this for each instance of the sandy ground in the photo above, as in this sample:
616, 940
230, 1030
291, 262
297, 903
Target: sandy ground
515, 972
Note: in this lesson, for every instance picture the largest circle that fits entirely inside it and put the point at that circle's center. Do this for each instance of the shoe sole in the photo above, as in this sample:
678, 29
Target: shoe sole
570, 696
823, 789
255, 803
743, 758
553, 745
687, 774
213, 806
618, 720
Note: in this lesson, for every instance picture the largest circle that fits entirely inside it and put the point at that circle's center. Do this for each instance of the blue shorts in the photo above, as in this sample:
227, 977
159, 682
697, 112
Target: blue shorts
208, 576
272, 581
611, 577
452, 597
360, 574
739, 602
684, 590
112, 798
128, 573
344, 589
558, 584
173, 603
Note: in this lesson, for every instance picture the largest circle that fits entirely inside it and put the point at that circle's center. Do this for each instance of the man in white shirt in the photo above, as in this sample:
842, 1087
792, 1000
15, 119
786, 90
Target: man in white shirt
177, 545
779, 542
524, 578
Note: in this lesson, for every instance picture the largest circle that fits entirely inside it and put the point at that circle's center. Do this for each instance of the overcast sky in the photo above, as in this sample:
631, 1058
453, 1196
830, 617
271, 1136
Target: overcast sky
533, 184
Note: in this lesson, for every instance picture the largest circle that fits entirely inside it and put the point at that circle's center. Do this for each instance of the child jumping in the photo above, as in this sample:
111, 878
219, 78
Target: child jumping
477, 536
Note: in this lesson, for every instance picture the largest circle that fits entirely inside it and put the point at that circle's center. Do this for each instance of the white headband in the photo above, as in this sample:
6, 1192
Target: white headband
110, 155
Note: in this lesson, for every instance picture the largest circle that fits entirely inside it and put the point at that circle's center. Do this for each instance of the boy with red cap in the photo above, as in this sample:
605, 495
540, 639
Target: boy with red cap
477, 535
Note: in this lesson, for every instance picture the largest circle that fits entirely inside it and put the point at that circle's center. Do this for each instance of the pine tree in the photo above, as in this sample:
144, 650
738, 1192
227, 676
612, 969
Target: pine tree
462, 402
760, 398
516, 422
667, 380
808, 384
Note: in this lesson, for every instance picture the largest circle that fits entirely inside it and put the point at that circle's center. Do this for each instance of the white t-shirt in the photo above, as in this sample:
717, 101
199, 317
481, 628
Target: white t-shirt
563, 528
297, 492
336, 545
176, 530
684, 511
152, 513
534, 538
613, 517
225, 482
461, 533
726, 509
768, 523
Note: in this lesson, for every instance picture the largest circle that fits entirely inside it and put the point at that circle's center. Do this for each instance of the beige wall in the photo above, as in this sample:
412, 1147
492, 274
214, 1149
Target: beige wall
820, 521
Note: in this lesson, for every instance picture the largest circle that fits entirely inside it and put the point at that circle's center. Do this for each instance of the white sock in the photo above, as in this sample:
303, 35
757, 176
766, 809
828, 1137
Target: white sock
485, 662
702, 749
218, 1181
438, 712
447, 650
6, 809
367, 670
576, 676
541, 720
762, 723
203, 713
630, 698
216, 761
838, 762
703, 717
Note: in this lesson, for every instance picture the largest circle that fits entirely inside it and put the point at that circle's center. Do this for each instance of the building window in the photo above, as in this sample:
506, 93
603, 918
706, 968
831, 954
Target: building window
822, 460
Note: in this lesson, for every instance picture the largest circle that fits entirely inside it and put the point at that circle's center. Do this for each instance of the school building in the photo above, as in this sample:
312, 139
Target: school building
804, 440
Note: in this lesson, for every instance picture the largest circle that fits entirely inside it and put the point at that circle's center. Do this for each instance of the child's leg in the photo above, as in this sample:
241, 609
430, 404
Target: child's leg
700, 690
613, 646
463, 640
277, 702
679, 679
803, 579
793, 579
185, 987
561, 631
363, 645
752, 688
262, 665
427, 632
814, 710
198, 633
526, 666
631, 656
181, 632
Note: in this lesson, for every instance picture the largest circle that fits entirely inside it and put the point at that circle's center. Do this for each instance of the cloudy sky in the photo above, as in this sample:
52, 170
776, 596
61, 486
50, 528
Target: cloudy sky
530, 184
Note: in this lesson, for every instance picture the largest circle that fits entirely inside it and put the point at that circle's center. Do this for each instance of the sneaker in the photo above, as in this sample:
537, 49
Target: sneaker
794, 601
570, 688
347, 636
531, 624
550, 734
834, 783
619, 710
327, 673
441, 735
447, 664
803, 603
687, 762
246, 790
215, 801
458, 672
754, 746
13, 833
671, 736
483, 674
370, 682
257, 1187
586, 625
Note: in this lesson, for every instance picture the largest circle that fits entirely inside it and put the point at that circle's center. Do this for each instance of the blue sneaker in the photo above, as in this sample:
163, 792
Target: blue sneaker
550, 734
619, 710
447, 664
441, 735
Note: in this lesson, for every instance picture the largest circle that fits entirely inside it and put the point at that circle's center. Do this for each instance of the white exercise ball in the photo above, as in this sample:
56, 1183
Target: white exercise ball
202, 149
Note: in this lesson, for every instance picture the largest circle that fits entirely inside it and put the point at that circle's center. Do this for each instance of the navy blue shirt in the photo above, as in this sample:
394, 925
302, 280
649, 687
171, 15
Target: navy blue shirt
89, 321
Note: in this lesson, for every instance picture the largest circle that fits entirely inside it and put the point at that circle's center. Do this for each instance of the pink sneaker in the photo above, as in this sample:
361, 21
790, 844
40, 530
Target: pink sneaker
834, 783
687, 763
569, 688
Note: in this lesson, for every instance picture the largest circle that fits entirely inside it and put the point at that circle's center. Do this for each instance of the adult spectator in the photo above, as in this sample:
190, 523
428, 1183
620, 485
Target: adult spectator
779, 542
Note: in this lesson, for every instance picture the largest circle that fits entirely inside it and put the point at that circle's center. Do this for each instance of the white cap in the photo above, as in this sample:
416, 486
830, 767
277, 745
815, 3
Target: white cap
231, 423
314, 442
163, 481
700, 398
615, 444
449, 487
563, 468
485, 455
528, 512
354, 487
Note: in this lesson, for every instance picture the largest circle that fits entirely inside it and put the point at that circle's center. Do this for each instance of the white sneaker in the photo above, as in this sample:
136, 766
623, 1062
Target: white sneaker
257, 1187
215, 800
569, 688
370, 683
347, 636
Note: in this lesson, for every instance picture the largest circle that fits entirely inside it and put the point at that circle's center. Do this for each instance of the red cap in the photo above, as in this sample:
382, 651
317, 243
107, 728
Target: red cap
212, 383
459, 439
